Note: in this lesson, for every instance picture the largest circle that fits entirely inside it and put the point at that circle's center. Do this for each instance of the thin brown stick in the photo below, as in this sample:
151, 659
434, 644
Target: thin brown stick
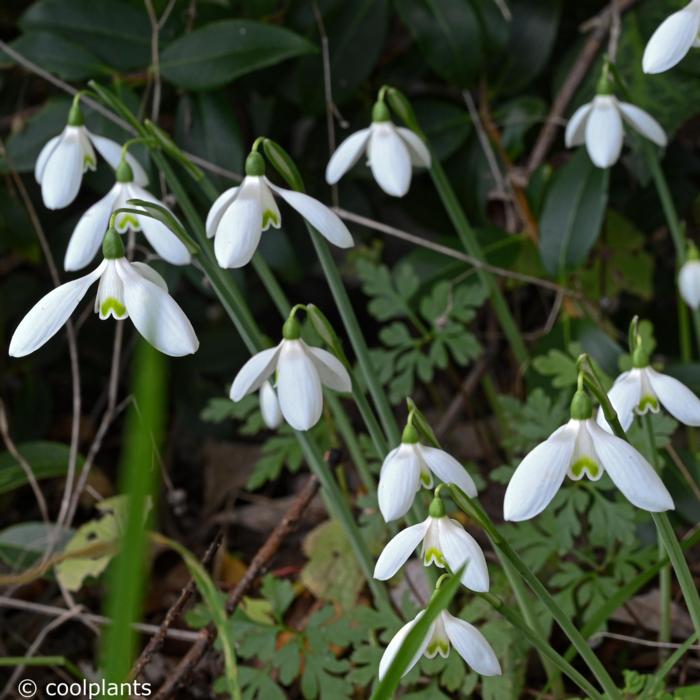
156, 641
452, 253
156, 26
327, 91
72, 345
548, 134
55, 611
257, 566
26, 467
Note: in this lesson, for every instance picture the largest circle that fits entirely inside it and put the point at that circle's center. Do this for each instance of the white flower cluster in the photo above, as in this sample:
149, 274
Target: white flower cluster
445, 543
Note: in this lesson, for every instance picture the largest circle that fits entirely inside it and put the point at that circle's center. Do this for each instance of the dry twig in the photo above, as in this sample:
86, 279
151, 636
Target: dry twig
257, 566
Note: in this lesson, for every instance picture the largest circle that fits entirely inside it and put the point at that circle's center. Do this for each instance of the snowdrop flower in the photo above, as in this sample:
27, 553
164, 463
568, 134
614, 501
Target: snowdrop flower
408, 466
447, 629
301, 372
391, 153
581, 447
644, 389
87, 236
689, 279
672, 40
445, 543
270, 406
598, 124
126, 290
238, 217
63, 160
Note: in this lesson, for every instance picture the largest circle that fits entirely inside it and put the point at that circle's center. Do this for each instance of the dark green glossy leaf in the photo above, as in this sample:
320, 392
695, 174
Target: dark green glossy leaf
448, 33
573, 214
47, 460
60, 56
223, 51
207, 127
117, 32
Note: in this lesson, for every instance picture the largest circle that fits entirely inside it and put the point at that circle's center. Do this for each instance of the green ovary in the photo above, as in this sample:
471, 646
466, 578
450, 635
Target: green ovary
647, 403
584, 465
435, 555
270, 217
114, 305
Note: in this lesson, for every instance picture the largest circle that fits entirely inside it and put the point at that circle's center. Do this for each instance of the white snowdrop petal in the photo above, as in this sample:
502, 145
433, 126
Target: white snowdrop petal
675, 397
254, 372
629, 471
218, 208
47, 316
471, 645
624, 396
417, 149
346, 155
672, 40
399, 549
689, 283
44, 154
63, 172
644, 123
389, 159
576, 127
395, 645
238, 234
447, 469
111, 151
147, 272
399, 480
165, 243
538, 477
604, 133
325, 221
155, 314
298, 387
87, 236
331, 370
458, 547
270, 406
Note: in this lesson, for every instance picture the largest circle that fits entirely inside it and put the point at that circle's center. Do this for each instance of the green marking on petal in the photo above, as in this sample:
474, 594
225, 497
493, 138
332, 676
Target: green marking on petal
433, 555
647, 403
270, 217
128, 221
89, 161
426, 479
437, 646
110, 303
584, 465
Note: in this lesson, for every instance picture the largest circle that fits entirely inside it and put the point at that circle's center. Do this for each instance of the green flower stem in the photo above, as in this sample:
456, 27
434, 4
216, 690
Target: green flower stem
466, 233
664, 528
347, 432
467, 237
472, 508
544, 649
665, 572
622, 595
552, 668
674, 226
236, 306
339, 509
283, 305
357, 339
